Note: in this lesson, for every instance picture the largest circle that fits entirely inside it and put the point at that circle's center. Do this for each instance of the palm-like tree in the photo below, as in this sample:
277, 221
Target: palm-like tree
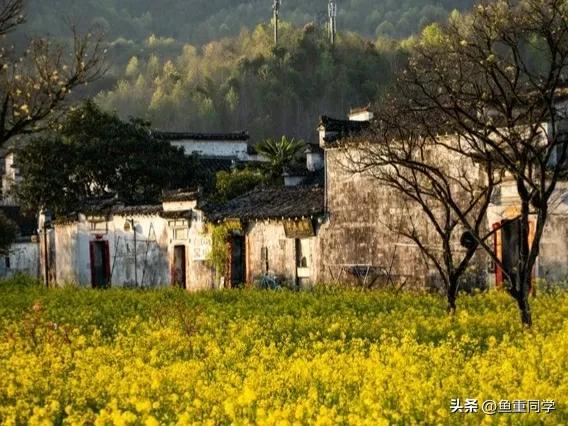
280, 154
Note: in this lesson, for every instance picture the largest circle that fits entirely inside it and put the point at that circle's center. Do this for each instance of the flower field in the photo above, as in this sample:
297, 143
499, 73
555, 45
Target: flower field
250, 357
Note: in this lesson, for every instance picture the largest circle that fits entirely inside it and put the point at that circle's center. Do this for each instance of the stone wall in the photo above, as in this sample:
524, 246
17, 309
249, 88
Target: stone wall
269, 250
22, 258
356, 233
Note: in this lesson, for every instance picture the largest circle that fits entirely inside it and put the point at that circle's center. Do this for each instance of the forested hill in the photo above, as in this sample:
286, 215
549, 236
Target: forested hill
200, 21
245, 82
210, 65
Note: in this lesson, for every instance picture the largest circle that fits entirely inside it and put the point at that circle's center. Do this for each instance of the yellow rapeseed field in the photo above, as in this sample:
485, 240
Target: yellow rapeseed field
251, 357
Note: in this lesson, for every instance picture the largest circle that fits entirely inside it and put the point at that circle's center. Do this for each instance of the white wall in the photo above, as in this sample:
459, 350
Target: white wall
238, 149
23, 259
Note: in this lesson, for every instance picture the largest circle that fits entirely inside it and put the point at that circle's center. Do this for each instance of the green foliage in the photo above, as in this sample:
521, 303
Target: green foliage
229, 185
8, 233
96, 155
199, 21
246, 83
218, 257
280, 154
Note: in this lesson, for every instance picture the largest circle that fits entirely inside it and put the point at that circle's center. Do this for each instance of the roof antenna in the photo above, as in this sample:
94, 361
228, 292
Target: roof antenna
332, 10
275, 15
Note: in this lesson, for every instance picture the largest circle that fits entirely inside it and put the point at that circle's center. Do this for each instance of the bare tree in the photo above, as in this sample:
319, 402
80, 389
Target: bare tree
35, 83
433, 181
494, 79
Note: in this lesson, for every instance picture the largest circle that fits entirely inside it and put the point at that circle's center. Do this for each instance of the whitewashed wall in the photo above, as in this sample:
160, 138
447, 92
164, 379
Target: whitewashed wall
23, 258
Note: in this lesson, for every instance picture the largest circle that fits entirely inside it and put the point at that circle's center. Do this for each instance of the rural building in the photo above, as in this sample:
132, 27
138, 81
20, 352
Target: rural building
23, 254
227, 146
135, 246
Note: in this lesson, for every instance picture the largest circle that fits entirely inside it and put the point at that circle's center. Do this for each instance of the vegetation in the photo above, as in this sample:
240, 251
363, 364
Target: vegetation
199, 21
279, 155
247, 83
162, 357
94, 156
35, 80
219, 255
8, 233
229, 185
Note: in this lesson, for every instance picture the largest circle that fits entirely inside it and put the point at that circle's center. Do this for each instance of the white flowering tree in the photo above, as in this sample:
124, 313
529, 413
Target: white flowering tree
35, 83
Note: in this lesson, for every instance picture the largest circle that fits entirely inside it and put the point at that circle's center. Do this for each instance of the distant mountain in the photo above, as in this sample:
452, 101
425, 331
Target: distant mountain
200, 21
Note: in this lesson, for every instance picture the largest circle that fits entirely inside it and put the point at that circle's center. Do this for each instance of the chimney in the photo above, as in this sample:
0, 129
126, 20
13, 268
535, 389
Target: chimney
361, 114
291, 178
314, 158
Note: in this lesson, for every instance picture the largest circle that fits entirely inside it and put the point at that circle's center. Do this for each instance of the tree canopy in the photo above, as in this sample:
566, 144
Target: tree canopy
95, 155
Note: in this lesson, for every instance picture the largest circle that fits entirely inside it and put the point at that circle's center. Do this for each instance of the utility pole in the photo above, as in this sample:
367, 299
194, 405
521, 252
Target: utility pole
275, 15
45, 222
332, 11
135, 252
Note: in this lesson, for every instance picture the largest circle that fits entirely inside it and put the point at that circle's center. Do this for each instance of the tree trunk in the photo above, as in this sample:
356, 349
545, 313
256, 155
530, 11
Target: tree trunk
526, 316
452, 295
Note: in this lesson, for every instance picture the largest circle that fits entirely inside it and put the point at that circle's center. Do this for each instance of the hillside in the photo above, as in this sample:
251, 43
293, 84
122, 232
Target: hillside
245, 83
199, 21
210, 65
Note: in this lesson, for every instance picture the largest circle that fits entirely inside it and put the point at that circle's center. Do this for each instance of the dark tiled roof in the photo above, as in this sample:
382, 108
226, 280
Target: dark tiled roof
27, 224
182, 214
360, 109
312, 148
273, 203
147, 210
195, 136
181, 195
342, 126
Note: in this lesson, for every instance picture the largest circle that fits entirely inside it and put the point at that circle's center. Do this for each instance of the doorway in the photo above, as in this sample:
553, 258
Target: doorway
237, 275
100, 264
508, 247
179, 270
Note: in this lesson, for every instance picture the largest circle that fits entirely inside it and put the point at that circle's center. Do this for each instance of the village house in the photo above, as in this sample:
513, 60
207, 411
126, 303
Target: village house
23, 254
326, 224
357, 245
169, 243
135, 246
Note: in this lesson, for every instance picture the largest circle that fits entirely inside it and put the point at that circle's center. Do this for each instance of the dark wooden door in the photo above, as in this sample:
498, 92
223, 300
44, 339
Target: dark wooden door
511, 244
100, 264
179, 270
237, 260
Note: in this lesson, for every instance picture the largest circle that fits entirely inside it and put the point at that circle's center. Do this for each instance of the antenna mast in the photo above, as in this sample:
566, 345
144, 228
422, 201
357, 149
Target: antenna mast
332, 9
275, 14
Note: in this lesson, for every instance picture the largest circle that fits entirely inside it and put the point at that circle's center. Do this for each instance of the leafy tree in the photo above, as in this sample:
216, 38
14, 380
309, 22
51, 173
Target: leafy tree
96, 155
229, 185
8, 232
279, 154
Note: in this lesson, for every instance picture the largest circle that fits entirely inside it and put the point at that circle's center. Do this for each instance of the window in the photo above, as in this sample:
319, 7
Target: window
179, 228
7, 262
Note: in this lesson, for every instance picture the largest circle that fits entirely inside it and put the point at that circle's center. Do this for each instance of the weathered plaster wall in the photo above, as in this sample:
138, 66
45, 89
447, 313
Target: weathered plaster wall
152, 264
356, 230
73, 253
23, 258
238, 149
200, 275
281, 251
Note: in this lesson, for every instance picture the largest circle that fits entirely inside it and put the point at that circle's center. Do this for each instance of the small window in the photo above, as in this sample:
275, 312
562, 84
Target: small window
180, 234
7, 262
